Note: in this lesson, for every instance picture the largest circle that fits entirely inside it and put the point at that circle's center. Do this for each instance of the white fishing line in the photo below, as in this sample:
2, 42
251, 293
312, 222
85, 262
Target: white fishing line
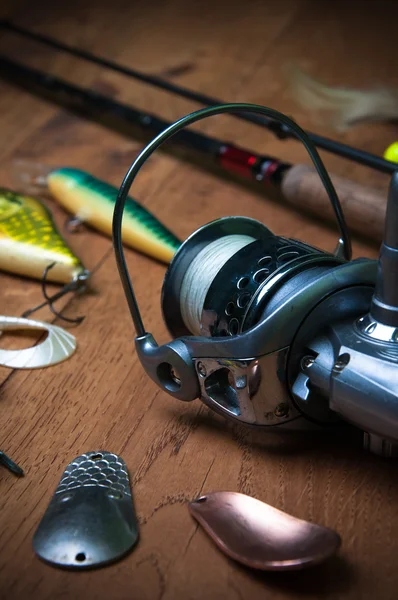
201, 273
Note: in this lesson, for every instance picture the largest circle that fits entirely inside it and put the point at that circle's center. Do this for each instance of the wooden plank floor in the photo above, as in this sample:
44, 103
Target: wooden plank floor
100, 398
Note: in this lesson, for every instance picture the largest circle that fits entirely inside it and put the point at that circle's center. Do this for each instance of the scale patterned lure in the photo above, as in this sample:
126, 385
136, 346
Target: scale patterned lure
93, 202
30, 242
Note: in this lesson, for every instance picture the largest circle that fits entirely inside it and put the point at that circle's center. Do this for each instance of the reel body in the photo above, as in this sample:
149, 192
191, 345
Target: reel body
272, 332
258, 304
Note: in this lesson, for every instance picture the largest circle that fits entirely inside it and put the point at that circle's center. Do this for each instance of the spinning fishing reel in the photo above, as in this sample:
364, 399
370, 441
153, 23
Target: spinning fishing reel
270, 331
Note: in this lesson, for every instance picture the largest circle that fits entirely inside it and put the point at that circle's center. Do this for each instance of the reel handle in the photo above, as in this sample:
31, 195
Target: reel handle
364, 207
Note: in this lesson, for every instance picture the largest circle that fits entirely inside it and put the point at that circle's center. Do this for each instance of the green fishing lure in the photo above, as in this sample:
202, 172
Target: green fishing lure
92, 201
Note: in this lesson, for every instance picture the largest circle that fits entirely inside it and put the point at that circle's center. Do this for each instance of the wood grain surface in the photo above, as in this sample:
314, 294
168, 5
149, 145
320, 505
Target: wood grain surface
101, 398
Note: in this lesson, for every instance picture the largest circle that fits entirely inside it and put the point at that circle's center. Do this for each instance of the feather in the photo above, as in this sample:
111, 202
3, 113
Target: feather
343, 107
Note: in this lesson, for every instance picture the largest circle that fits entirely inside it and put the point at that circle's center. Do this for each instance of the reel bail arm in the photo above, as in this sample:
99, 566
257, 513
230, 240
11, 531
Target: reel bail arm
149, 351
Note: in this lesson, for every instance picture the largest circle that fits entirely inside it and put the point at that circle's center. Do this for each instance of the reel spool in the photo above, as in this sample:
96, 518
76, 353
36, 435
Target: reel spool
270, 331
223, 276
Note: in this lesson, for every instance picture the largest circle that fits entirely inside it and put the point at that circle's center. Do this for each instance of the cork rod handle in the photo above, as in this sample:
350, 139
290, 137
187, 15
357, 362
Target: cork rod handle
364, 208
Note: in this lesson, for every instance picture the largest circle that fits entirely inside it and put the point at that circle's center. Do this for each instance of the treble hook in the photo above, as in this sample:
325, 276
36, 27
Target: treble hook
75, 285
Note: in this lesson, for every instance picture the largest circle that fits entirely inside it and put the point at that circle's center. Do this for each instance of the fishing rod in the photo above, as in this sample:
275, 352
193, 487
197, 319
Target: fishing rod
299, 184
281, 131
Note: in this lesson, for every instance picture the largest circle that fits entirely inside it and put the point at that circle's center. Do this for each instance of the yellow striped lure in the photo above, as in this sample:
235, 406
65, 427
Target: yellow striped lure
30, 245
92, 201
30, 242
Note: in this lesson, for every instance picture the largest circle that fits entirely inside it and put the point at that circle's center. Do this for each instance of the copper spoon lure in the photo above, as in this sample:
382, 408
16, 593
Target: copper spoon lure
260, 536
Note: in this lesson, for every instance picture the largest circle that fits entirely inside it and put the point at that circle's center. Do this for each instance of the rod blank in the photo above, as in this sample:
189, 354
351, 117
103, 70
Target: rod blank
362, 157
